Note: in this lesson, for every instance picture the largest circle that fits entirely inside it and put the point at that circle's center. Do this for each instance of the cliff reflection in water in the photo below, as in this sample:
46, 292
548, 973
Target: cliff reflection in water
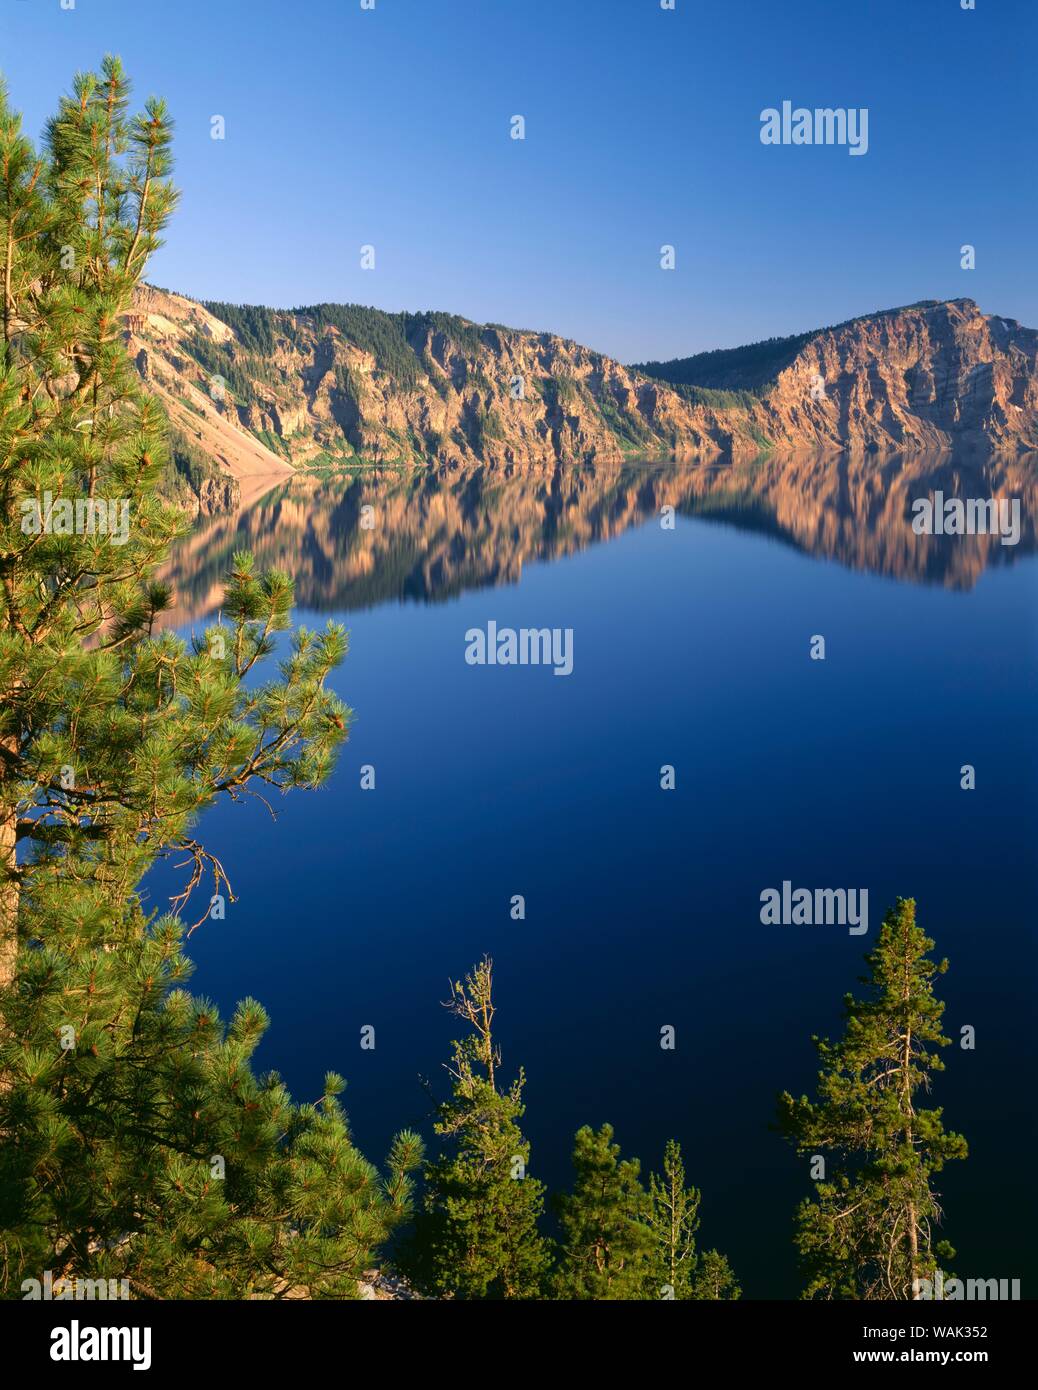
432, 535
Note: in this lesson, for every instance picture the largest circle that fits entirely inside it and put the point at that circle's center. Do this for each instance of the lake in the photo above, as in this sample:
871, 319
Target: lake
691, 648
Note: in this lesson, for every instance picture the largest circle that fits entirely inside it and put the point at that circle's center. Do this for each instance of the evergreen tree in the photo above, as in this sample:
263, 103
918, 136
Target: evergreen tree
714, 1279
477, 1236
607, 1244
117, 1091
150, 1151
677, 1270
869, 1230
674, 1220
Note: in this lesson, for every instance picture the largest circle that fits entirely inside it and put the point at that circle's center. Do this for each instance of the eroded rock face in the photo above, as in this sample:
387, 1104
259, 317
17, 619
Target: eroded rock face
211, 453
217, 495
445, 390
928, 377
271, 391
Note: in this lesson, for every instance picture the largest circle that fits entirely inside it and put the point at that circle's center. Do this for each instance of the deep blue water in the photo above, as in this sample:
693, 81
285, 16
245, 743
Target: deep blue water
691, 647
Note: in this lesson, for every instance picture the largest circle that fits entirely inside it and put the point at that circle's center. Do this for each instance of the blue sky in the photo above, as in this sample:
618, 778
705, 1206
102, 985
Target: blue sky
391, 128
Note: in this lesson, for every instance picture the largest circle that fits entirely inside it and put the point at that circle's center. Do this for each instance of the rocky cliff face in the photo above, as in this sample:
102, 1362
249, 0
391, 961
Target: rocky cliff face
939, 376
930, 376
215, 462
260, 392
267, 390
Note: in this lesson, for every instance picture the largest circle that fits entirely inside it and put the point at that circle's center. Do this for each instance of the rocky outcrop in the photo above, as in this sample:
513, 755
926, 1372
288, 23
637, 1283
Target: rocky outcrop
217, 494
264, 392
339, 383
936, 375
383, 1286
210, 453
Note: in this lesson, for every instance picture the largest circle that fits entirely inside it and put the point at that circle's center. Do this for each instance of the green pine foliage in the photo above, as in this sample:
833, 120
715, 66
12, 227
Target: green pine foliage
135, 1139
477, 1236
187, 469
395, 341
150, 1150
714, 1279
717, 400
466, 337
239, 370
607, 1240
374, 331
870, 1230
255, 327
678, 1271
747, 372
744, 370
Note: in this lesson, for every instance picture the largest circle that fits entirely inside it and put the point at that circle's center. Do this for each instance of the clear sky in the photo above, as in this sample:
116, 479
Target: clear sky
391, 127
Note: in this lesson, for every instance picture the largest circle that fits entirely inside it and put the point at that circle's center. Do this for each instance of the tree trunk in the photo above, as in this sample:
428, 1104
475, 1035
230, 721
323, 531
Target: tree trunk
8, 901
9, 886
8, 258
9, 894
906, 1063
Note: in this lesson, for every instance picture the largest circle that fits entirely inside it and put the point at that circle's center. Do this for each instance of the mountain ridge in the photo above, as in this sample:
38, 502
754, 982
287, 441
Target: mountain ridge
698, 368
258, 392
933, 374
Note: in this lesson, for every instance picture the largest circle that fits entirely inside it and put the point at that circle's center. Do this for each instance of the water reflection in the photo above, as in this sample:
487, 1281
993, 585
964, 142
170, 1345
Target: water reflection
356, 541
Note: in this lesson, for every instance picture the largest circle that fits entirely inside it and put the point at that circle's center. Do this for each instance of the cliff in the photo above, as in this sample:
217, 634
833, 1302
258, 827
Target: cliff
265, 390
259, 392
935, 375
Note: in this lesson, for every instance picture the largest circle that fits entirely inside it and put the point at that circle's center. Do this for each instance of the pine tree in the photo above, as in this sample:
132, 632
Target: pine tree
714, 1279
150, 1151
117, 1091
869, 1230
477, 1236
607, 1243
674, 1220
678, 1271
77, 223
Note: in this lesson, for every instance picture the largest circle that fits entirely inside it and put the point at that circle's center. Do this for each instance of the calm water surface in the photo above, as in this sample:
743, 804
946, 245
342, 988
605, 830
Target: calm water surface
642, 906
